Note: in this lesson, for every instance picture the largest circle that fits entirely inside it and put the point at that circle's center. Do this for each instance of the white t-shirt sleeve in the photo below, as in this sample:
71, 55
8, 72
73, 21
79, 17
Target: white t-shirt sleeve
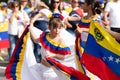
46, 12
108, 7
2, 18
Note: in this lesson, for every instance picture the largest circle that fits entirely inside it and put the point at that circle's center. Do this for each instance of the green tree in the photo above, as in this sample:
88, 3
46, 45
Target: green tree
3, 0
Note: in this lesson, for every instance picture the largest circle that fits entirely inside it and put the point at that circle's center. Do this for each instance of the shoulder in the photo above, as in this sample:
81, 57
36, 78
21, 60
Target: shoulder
61, 42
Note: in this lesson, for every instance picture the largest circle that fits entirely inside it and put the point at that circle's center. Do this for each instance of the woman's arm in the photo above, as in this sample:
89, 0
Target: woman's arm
116, 35
11, 18
33, 34
57, 56
80, 30
40, 14
71, 18
106, 20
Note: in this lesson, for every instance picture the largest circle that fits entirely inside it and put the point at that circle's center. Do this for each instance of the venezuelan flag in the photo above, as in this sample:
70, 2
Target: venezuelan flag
70, 72
102, 54
4, 38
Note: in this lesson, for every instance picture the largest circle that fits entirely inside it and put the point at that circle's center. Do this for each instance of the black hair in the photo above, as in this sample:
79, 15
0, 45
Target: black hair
95, 6
52, 7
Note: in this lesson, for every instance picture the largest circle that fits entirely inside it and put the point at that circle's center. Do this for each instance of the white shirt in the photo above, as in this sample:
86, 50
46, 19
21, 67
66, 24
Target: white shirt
46, 12
114, 13
16, 24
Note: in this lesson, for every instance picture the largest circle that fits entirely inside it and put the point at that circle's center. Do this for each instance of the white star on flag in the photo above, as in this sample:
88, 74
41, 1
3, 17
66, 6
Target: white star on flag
117, 60
111, 58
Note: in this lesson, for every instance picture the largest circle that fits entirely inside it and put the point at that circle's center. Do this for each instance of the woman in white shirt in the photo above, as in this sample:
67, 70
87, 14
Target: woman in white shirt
17, 23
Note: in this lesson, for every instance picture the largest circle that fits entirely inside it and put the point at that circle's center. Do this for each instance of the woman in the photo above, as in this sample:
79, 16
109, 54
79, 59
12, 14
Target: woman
17, 23
54, 47
93, 10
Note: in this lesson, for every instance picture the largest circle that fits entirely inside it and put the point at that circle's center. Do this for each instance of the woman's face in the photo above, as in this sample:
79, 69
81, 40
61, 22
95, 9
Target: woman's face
86, 7
56, 3
56, 30
16, 7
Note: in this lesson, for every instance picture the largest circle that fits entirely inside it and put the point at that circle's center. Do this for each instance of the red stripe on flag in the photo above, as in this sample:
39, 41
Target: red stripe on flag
4, 44
98, 67
71, 71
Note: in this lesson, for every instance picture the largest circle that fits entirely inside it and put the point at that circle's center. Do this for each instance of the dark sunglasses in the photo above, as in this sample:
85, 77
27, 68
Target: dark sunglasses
56, 2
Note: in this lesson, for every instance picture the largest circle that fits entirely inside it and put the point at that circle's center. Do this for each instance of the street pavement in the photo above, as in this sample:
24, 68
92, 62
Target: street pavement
3, 65
2, 77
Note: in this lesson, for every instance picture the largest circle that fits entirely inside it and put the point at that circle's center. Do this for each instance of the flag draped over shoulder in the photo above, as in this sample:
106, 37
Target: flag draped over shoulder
22, 63
102, 54
70, 72
4, 39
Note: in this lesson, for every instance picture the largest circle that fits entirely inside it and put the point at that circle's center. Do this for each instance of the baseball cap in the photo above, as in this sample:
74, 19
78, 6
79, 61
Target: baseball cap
4, 4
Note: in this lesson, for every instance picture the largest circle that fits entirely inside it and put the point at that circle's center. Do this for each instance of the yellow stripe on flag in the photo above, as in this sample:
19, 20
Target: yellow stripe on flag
103, 38
3, 26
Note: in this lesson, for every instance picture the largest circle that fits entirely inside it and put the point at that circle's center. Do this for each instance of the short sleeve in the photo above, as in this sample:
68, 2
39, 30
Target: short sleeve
107, 7
46, 12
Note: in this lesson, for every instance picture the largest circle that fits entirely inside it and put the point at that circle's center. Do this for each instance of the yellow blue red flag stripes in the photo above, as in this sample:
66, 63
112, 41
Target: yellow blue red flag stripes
53, 47
72, 73
102, 54
83, 23
13, 70
79, 48
4, 38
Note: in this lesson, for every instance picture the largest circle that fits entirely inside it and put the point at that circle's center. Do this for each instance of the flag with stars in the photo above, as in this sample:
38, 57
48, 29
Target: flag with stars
4, 39
102, 54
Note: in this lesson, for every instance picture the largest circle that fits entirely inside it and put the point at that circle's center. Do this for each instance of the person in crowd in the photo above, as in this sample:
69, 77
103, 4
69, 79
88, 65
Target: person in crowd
4, 16
93, 10
17, 22
56, 6
77, 11
111, 15
40, 17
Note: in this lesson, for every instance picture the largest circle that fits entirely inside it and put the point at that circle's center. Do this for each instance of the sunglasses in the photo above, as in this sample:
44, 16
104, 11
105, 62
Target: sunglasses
56, 2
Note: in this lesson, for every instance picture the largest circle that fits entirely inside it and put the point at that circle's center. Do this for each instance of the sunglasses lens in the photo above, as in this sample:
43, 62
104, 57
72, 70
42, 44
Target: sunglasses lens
56, 2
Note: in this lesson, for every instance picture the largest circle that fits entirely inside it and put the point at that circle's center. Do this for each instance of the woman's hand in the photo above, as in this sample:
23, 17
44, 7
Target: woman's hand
57, 56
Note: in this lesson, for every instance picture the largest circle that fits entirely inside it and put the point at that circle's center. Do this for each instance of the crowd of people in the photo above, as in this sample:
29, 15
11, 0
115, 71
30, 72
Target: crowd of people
56, 17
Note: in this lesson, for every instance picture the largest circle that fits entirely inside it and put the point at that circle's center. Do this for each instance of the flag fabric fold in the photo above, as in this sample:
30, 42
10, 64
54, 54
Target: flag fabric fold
102, 54
22, 65
72, 73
